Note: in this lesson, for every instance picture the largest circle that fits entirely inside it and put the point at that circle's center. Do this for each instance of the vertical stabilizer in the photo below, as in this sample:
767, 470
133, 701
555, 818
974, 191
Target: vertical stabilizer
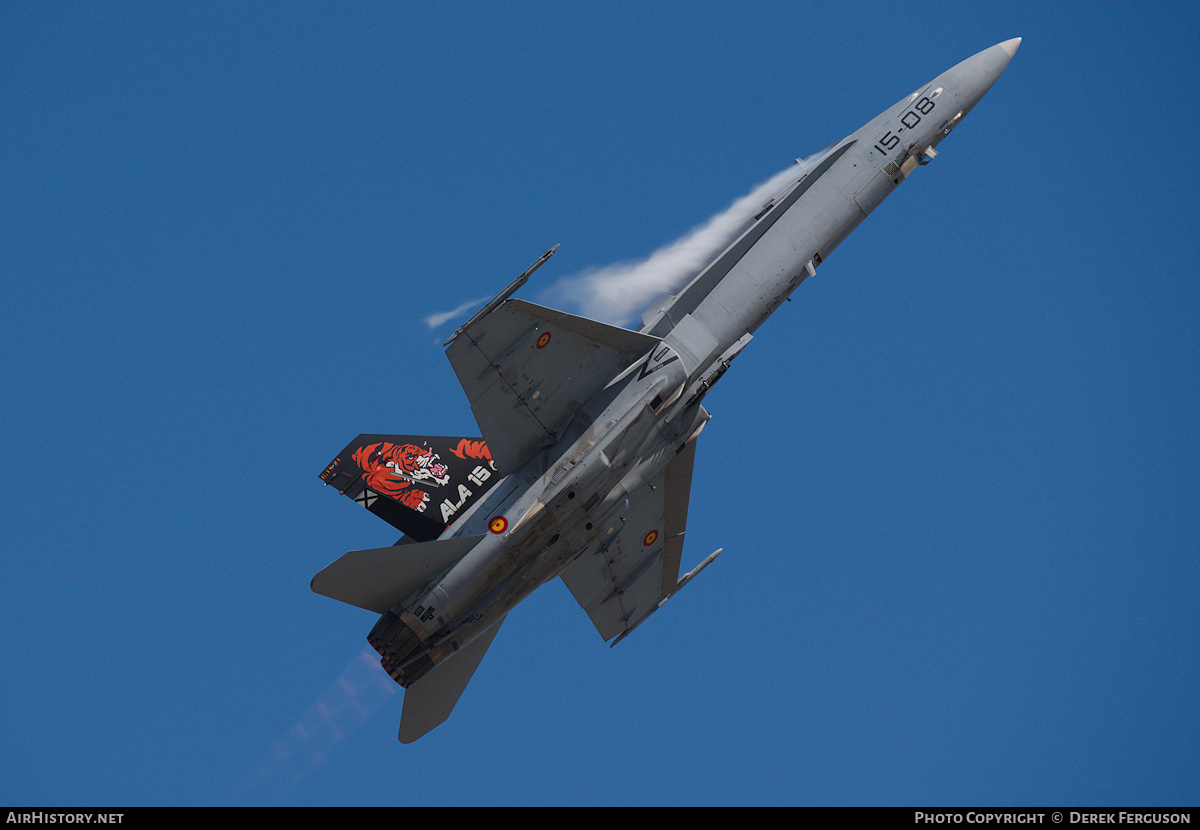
415, 483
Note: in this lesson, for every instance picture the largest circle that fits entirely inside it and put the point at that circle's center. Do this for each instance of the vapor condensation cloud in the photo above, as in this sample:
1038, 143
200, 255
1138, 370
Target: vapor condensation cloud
435, 320
618, 293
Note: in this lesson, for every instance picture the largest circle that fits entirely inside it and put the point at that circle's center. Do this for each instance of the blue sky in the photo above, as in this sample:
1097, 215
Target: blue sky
956, 479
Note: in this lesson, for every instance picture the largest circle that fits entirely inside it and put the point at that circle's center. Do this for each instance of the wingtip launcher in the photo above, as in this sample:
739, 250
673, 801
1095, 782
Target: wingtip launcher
684, 580
503, 295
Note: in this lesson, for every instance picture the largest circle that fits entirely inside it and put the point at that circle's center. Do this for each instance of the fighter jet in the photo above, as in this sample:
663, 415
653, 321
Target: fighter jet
589, 431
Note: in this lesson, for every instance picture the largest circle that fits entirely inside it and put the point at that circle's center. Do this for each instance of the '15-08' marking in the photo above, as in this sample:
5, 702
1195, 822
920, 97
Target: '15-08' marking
910, 119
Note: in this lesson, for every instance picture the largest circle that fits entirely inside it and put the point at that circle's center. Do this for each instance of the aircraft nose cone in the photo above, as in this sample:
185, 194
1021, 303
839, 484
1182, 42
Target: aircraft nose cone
972, 78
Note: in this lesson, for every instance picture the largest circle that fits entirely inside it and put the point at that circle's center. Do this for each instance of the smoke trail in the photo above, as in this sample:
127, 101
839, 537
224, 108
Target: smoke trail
616, 293
357, 694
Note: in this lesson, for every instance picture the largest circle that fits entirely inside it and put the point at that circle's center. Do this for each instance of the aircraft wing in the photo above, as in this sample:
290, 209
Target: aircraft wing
626, 581
527, 369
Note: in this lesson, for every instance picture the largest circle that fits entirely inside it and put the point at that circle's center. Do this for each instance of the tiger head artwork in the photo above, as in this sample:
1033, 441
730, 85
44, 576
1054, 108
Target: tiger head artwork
394, 469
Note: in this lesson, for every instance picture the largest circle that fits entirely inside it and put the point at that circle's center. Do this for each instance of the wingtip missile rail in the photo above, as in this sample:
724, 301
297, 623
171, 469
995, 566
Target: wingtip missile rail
684, 580
495, 302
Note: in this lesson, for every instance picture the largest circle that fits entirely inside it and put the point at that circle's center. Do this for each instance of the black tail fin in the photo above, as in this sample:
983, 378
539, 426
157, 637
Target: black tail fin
416, 483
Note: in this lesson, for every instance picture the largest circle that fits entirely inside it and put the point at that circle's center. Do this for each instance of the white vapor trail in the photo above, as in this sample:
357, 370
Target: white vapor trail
616, 293
435, 320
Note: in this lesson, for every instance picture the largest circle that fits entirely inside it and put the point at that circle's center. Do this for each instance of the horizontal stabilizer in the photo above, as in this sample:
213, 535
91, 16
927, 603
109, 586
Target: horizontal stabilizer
377, 579
416, 483
428, 702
